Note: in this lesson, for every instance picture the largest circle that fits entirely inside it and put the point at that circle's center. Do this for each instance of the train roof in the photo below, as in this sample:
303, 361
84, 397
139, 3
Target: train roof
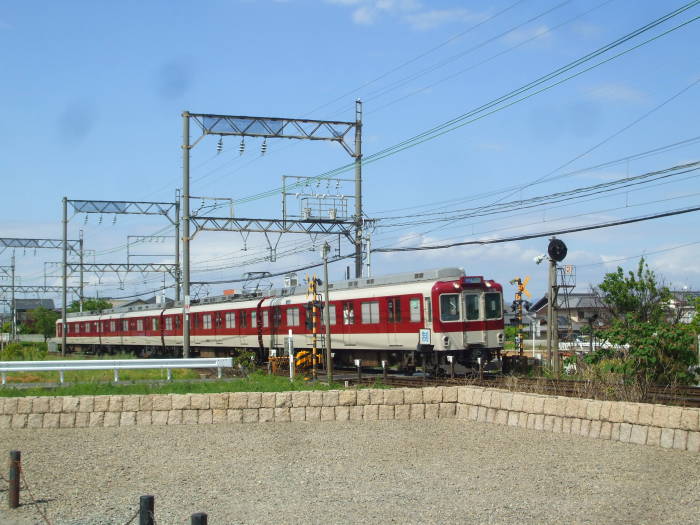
439, 274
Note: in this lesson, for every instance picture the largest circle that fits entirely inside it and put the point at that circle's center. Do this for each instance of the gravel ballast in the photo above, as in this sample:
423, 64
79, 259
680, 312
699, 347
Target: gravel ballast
441, 471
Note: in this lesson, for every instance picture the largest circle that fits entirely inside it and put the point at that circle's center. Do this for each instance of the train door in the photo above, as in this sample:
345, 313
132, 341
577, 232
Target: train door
473, 308
275, 312
393, 320
217, 327
349, 320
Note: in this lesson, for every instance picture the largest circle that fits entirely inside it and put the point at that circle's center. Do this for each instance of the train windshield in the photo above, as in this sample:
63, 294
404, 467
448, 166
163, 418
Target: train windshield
471, 307
494, 305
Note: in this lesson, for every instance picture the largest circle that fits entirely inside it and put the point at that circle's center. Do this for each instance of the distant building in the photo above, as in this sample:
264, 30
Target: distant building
155, 300
574, 311
24, 306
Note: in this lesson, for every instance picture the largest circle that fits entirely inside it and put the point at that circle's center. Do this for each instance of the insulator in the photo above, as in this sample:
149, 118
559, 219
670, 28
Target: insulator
263, 147
86, 219
99, 221
114, 220
241, 147
220, 145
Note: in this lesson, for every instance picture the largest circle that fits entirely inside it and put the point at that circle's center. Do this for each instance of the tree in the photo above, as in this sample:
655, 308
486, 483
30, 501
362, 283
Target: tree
44, 321
651, 347
90, 305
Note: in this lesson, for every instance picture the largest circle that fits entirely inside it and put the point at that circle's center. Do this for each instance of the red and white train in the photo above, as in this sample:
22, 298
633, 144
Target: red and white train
372, 319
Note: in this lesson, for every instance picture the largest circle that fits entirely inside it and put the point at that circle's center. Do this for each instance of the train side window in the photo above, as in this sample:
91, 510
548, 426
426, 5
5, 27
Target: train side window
207, 321
178, 322
218, 319
493, 305
230, 319
331, 312
370, 312
449, 307
429, 306
414, 310
254, 319
139, 325
112, 326
293, 316
125, 325
266, 319
276, 316
168, 323
348, 313
243, 319
394, 310
471, 304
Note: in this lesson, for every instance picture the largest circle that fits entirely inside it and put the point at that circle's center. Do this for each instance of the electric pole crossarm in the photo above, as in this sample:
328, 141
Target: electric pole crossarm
124, 207
122, 267
37, 289
272, 225
38, 243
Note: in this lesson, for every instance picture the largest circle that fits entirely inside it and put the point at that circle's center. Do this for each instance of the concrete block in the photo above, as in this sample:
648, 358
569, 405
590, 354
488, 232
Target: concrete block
393, 396
690, 419
234, 415
550, 406
283, 414
330, 398
413, 396
174, 417
316, 399
115, 403
238, 400
50, 421
347, 397
99, 404
2, 404
485, 400
566, 425
449, 411
190, 417
371, 413
557, 425
531, 421
522, 419
363, 397
473, 412
20, 420
199, 401
297, 414
625, 432
254, 400
180, 401
646, 414
654, 436
266, 415
615, 432
386, 411
576, 426
539, 421
501, 417
659, 417
205, 417
528, 403
593, 410
131, 403
36, 420
464, 395
218, 401
417, 411
495, 401
432, 394
674, 417
146, 402
66, 420
639, 434
328, 413
506, 400
693, 442
491, 415
127, 419
97, 419
617, 412
300, 399
143, 418
605, 408
24, 405
160, 417
538, 405
680, 439
571, 407
313, 413
606, 430
594, 431
161, 402
55, 405
450, 394
376, 396
250, 415
631, 413
548, 423
462, 411
70, 403
284, 399
585, 429
582, 408
40, 405
267, 400
431, 411
356, 413
516, 402
560, 406
82, 419
342, 413
402, 412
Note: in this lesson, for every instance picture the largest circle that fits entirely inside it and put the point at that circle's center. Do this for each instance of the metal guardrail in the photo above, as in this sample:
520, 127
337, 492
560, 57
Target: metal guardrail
114, 364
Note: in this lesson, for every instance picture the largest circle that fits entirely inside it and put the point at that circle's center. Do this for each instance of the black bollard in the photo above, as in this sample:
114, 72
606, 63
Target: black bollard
199, 519
15, 472
146, 506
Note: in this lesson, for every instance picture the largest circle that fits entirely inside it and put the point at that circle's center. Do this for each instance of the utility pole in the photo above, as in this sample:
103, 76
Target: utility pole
178, 274
64, 323
358, 188
327, 314
186, 234
12, 298
557, 252
81, 296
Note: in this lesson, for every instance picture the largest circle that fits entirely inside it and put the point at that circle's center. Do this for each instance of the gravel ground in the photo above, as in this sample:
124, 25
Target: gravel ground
444, 471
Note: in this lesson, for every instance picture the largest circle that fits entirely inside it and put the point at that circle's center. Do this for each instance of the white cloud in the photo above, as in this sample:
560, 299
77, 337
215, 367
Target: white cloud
617, 93
540, 32
431, 19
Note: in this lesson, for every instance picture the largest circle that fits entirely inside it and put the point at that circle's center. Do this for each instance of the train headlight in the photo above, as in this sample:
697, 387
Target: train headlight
500, 337
445, 341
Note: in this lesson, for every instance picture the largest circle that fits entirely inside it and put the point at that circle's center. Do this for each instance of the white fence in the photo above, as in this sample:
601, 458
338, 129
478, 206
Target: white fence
114, 364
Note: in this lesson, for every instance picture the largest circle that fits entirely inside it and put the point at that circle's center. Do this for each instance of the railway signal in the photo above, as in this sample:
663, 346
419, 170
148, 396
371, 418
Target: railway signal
518, 308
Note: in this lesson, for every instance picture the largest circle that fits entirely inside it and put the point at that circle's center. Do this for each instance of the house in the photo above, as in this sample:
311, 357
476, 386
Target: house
155, 300
574, 311
24, 306
683, 304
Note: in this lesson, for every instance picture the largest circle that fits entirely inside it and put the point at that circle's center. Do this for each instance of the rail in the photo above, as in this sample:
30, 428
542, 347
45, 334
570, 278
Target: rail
114, 364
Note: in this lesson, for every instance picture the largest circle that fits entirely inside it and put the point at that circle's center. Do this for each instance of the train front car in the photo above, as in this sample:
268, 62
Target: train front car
467, 320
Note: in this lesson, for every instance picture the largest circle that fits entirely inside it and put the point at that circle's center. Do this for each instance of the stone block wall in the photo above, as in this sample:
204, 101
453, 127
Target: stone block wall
639, 423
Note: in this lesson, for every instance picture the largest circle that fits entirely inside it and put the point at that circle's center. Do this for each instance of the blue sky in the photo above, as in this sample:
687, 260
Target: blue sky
93, 92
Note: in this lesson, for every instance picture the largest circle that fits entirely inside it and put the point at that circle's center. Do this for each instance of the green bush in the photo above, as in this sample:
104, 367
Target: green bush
24, 352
